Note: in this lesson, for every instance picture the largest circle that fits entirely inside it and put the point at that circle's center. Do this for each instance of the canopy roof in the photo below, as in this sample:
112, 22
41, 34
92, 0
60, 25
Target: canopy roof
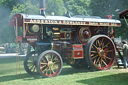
124, 14
62, 20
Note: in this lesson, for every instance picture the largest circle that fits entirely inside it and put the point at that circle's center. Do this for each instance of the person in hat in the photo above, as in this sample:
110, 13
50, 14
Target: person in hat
125, 52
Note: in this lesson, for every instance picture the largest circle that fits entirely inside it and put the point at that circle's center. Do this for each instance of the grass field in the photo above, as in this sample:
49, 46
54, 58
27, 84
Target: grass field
68, 76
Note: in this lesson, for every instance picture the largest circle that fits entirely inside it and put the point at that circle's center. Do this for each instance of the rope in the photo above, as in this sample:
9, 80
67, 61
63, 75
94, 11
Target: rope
18, 62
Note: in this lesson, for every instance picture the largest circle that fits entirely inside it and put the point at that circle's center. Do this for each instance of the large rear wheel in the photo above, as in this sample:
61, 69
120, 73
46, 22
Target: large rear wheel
100, 52
49, 63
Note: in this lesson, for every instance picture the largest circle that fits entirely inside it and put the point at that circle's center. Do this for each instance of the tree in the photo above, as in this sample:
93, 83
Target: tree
5, 31
56, 6
78, 7
113, 7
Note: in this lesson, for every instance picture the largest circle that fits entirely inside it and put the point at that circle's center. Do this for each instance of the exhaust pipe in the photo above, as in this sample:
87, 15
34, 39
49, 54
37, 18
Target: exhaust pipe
42, 7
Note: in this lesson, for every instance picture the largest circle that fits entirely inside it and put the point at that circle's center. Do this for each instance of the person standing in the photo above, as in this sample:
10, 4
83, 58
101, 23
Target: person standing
125, 52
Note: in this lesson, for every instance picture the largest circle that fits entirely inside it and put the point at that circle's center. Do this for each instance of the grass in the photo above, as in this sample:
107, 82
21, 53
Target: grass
68, 76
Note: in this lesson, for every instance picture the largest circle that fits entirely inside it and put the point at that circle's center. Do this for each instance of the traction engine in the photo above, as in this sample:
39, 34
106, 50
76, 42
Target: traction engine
80, 41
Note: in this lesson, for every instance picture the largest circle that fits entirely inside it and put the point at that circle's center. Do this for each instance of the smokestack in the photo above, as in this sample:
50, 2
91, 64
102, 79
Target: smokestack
42, 7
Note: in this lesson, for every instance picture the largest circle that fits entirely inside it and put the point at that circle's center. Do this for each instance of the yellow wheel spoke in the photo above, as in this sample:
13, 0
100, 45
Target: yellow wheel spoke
104, 62
96, 42
43, 59
99, 44
34, 69
109, 51
99, 64
54, 58
43, 66
94, 51
45, 69
53, 71
108, 58
94, 57
94, 61
44, 63
50, 71
54, 67
46, 58
95, 46
92, 54
102, 43
106, 45
97, 60
55, 62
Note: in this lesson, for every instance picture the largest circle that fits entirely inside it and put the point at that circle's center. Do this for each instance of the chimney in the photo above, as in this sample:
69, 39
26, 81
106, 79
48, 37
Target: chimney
42, 7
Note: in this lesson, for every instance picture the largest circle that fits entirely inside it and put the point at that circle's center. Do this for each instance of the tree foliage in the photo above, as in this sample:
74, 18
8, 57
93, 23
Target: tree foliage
111, 7
78, 7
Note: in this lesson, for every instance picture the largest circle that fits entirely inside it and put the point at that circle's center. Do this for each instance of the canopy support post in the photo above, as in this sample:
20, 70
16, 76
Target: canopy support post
16, 28
125, 21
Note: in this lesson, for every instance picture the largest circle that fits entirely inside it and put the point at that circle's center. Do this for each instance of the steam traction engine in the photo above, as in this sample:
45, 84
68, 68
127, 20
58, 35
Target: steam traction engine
81, 41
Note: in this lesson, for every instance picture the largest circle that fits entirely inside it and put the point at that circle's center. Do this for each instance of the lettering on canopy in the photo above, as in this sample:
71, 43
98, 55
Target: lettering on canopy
64, 22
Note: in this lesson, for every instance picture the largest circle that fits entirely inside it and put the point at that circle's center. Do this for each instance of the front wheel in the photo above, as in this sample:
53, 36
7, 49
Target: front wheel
30, 63
100, 52
49, 63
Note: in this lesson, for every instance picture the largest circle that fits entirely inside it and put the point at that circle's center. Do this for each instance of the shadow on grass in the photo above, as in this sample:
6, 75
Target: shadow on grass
24, 76
117, 79
66, 71
69, 70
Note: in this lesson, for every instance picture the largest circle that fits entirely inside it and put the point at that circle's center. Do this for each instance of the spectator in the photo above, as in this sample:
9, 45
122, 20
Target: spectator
125, 52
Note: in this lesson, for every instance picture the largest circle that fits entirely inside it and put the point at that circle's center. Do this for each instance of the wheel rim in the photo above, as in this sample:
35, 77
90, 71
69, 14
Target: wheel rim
102, 53
50, 64
30, 63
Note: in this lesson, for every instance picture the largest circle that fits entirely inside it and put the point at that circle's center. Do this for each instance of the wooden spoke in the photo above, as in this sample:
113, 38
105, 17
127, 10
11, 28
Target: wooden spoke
43, 66
54, 67
97, 60
109, 51
46, 58
50, 70
94, 51
104, 62
95, 46
44, 63
99, 64
102, 43
94, 61
108, 58
94, 57
29, 62
34, 69
56, 62
31, 67
43, 59
92, 54
106, 45
52, 58
46, 69
96, 42
53, 71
